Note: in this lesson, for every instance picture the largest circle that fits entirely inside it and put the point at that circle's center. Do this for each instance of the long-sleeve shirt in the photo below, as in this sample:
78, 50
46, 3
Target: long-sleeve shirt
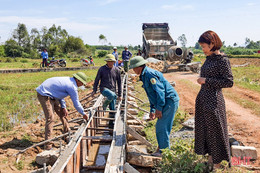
126, 55
157, 88
59, 88
44, 55
108, 78
115, 54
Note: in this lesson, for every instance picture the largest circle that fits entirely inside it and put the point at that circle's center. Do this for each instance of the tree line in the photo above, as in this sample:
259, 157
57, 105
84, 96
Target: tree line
55, 39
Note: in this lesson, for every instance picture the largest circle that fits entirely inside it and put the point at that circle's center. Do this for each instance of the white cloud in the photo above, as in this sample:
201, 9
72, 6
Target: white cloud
187, 7
168, 7
177, 7
101, 19
106, 2
251, 4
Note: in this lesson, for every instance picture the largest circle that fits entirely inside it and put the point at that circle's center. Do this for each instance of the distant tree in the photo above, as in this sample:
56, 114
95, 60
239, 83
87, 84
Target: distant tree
102, 38
21, 35
12, 49
35, 39
2, 51
197, 45
183, 40
235, 44
73, 44
247, 41
253, 45
223, 43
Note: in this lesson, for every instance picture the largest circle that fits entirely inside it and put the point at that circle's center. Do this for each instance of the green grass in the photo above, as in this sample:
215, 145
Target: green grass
247, 77
18, 96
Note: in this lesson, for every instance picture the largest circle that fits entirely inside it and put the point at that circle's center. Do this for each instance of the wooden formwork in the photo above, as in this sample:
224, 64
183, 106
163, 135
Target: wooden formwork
73, 158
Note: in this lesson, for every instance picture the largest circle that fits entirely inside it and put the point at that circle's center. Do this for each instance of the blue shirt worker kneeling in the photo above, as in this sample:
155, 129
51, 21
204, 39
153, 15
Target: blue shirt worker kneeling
108, 76
51, 94
164, 100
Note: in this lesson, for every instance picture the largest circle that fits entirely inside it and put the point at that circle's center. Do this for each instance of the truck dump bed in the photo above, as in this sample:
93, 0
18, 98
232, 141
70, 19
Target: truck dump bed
156, 39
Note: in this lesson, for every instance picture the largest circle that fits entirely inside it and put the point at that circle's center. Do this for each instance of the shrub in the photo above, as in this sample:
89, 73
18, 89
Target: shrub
75, 60
182, 158
25, 55
8, 60
35, 65
102, 53
24, 61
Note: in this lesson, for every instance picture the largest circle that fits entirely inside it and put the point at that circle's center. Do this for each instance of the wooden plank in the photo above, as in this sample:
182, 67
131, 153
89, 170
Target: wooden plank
78, 158
129, 169
138, 136
141, 109
69, 166
136, 98
117, 154
137, 119
102, 138
93, 168
72, 120
100, 129
66, 155
110, 111
104, 118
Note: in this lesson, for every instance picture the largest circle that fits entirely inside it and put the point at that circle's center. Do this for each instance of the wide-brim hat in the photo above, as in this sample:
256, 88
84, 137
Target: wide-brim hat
82, 77
137, 61
110, 57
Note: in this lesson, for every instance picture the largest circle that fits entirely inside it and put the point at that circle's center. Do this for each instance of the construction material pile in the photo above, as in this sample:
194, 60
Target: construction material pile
158, 64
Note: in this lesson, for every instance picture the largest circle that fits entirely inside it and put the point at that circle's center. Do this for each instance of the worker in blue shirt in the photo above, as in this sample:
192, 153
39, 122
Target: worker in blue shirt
51, 94
126, 55
115, 53
163, 98
44, 56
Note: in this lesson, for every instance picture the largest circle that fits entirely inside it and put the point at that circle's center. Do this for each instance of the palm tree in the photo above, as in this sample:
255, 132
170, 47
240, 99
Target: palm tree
102, 38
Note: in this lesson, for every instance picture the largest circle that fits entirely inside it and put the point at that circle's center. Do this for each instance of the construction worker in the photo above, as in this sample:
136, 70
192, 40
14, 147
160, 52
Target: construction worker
44, 56
139, 53
51, 94
115, 53
126, 55
109, 76
163, 98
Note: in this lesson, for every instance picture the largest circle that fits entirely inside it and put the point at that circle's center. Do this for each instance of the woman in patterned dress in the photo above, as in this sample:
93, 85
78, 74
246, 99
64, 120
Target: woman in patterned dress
211, 134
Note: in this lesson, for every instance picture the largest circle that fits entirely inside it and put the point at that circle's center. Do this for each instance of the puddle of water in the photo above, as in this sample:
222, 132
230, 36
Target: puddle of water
101, 160
103, 149
102, 155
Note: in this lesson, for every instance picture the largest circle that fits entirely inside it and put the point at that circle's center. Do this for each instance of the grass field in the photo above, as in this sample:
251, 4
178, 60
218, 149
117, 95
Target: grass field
18, 96
247, 77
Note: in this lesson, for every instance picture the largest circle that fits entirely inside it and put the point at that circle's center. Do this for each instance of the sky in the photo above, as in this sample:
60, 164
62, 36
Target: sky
120, 21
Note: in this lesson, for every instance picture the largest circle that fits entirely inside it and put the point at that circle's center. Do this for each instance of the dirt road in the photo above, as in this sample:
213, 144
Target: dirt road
244, 125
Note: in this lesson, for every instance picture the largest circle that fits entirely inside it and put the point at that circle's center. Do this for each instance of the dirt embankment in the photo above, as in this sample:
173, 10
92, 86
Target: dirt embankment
243, 124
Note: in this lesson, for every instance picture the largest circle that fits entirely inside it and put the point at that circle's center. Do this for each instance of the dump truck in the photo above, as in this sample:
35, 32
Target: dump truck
156, 40
158, 43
